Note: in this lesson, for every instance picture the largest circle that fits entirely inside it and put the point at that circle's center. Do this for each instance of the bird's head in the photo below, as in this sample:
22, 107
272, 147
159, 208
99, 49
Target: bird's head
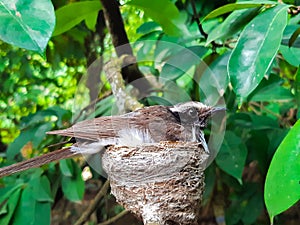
194, 113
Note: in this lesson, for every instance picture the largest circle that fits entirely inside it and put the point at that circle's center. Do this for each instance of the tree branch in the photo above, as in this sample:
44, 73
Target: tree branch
114, 219
88, 212
120, 41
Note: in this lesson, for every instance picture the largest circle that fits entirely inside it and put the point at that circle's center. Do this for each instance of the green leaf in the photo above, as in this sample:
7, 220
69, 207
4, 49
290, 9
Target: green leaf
294, 37
42, 214
91, 21
232, 24
11, 205
72, 14
147, 27
273, 93
41, 189
291, 55
282, 188
15, 147
165, 13
182, 61
271, 89
66, 167
297, 90
27, 201
289, 30
73, 187
236, 6
256, 49
36, 134
232, 155
36, 199
40, 133
27, 24
253, 122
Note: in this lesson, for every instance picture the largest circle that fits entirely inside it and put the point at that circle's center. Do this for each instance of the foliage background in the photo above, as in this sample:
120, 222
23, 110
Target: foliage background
253, 46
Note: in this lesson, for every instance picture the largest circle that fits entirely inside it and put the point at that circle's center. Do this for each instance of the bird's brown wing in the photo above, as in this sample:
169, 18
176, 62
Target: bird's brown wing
157, 120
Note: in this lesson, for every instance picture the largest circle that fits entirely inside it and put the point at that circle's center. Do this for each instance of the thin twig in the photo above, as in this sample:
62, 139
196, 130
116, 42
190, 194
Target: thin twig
196, 17
92, 207
114, 219
200, 27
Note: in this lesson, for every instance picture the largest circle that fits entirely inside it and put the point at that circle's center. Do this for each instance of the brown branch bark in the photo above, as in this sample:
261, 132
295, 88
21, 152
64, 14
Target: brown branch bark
115, 25
88, 212
114, 219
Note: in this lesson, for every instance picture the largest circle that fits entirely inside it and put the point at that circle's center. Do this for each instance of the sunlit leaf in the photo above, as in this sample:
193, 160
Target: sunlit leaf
236, 6
27, 24
282, 188
72, 14
165, 13
256, 49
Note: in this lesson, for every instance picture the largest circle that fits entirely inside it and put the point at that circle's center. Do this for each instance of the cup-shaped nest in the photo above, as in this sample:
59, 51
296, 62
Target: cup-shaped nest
162, 183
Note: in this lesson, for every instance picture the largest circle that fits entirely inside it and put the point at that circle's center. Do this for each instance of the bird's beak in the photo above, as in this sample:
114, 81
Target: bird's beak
215, 110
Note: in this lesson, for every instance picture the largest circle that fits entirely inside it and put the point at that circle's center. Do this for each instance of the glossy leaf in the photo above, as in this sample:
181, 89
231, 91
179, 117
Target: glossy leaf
232, 24
72, 14
256, 49
27, 24
282, 188
236, 6
165, 13
232, 155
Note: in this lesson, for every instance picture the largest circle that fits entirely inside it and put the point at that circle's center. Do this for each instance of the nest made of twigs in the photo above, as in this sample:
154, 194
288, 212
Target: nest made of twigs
161, 183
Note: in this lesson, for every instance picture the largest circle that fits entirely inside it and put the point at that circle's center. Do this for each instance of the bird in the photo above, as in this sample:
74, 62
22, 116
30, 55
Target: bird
182, 122
154, 158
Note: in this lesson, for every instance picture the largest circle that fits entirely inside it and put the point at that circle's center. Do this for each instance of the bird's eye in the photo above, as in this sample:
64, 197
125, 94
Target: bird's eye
192, 112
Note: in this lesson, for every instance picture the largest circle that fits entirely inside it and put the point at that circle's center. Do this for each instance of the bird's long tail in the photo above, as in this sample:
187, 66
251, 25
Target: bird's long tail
38, 161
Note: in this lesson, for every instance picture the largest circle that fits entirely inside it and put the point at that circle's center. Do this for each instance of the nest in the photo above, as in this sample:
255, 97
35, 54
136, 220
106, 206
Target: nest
161, 183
